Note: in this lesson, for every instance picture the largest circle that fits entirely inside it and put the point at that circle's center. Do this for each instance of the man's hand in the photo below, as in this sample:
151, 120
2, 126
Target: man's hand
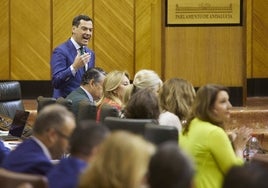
81, 60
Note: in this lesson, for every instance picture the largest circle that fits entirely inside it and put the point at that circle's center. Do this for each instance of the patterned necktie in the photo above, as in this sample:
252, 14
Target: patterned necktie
82, 50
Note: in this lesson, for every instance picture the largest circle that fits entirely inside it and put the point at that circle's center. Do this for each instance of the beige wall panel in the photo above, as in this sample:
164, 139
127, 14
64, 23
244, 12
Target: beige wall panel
114, 34
30, 39
4, 38
205, 54
248, 44
259, 39
148, 35
63, 13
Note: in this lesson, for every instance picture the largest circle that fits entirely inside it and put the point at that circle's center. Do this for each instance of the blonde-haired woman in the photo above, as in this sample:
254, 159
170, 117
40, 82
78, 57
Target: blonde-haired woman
114, 87
147, 79
176, 98
144, 78
121, 162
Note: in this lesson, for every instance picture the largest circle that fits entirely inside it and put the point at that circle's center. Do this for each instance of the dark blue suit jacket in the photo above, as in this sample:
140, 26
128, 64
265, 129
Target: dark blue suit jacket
4, 151
77, 96
29, 158
62, 79
66, 173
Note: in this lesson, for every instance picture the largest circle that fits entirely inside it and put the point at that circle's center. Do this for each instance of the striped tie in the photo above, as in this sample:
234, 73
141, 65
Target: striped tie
82, 50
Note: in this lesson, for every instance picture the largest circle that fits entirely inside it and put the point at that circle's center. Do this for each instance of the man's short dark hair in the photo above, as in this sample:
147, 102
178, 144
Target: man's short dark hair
93, 73
169, 167
249, 175
77, 19
86, 136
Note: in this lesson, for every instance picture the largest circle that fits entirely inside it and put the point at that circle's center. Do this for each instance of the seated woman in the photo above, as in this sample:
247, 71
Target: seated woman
203, 137
113, 91
176, 97
144, 78
143, 105
121, 162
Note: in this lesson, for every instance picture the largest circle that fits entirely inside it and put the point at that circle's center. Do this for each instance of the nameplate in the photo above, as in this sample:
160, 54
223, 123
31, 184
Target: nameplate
203, 12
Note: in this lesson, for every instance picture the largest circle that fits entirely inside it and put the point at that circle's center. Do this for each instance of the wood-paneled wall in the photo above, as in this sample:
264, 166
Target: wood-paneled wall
130, 35
259, 39
29, 39
114, 34
63, 13
148, 36
127, 34
4, 38
205, 54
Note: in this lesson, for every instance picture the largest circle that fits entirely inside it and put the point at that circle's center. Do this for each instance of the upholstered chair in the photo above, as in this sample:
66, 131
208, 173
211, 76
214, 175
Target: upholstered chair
10, 98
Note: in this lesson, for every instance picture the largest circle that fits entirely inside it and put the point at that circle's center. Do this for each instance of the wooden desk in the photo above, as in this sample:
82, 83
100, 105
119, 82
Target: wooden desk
261, 157
261, 134
5, 122
255, 132
258, 132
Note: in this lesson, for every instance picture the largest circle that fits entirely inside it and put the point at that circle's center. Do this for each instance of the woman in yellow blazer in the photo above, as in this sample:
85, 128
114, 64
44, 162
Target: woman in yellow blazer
204, 139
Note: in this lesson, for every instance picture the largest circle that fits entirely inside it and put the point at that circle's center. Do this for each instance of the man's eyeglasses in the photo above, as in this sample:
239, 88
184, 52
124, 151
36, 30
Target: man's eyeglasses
62, 135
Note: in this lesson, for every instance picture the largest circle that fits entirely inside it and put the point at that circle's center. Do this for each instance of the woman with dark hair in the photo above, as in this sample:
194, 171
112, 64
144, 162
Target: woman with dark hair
205, 140
143, 105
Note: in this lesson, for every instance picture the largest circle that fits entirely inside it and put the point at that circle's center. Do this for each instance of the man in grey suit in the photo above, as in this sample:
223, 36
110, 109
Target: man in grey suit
89, 90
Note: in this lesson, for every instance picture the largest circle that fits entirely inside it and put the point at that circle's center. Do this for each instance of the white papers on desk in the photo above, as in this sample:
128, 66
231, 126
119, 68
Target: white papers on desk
11, 144
3, 133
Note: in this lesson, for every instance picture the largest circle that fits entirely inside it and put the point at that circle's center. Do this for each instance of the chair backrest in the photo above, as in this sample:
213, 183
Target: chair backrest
86, 111
65, 102
158, 134
10, 98
108, 111
136, 126
44, 101
9, 179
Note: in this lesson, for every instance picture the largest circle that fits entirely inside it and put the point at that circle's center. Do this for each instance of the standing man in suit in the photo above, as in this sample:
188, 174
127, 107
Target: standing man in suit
91, 88
71, 59
51, 132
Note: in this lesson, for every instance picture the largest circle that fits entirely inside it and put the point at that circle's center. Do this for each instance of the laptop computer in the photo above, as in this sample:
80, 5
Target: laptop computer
17, 126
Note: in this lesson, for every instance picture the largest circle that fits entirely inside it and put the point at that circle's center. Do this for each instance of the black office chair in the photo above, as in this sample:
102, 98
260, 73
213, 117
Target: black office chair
86, 111
65, 102
158, 134
108, 111
44, 101
10, 98
136, 126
